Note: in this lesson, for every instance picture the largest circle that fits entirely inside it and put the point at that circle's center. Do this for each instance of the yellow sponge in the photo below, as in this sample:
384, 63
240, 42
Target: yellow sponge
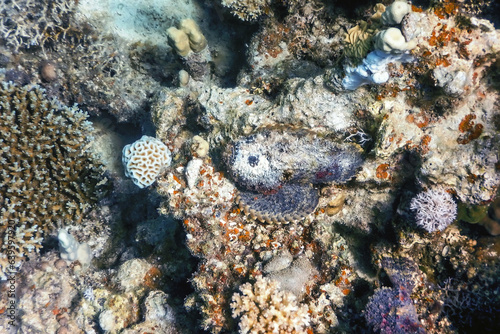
196, 39
179, 40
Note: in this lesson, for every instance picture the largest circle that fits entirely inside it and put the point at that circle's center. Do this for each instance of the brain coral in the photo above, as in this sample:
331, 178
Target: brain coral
48, 175
270, 161
144, 159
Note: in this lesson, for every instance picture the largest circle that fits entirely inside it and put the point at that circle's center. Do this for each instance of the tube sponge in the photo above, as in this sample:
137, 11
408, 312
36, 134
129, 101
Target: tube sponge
144, 159
179, 41
187, 38
197, 41
391, 40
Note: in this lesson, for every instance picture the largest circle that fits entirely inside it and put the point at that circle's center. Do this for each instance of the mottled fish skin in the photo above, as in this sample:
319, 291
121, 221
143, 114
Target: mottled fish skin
268, 162
291, 202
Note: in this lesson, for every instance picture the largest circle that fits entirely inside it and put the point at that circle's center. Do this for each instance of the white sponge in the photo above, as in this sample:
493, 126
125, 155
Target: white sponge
391, 40
71, 250
144, 159
395, 12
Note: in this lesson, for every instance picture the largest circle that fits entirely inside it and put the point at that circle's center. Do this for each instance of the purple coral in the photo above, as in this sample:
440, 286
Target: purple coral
391, 311
435, 209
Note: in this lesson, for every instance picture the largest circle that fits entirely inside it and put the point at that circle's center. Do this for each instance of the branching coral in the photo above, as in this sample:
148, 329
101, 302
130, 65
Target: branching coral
48, 176
435, 209
263, 308
247, 10
29, 23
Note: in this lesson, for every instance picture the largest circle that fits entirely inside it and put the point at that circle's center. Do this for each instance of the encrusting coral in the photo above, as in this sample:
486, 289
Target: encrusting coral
48, 177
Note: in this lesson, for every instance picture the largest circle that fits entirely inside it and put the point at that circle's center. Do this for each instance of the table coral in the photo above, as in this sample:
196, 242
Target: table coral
49, 176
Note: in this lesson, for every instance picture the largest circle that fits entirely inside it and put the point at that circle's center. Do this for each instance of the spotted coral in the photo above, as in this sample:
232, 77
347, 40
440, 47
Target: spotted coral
263, 308
49, 176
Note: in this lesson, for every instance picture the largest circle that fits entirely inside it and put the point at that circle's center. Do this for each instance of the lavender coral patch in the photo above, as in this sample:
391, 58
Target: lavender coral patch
391, 311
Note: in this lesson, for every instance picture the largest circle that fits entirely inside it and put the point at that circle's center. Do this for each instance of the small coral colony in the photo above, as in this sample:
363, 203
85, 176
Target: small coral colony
361, 196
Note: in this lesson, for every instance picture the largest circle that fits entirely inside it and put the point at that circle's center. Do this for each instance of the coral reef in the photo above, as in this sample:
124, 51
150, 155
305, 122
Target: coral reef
49, 176
304, 144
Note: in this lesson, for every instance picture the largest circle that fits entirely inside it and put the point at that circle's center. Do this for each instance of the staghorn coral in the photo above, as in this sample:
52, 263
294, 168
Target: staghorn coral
247, 10
49, 176
29, 23
263, 308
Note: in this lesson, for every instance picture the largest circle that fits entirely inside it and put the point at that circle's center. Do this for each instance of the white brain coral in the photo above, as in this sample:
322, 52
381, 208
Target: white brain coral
144, 159
263, 308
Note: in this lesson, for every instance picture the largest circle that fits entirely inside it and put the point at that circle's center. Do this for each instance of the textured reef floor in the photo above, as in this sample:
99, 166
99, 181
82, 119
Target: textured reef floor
249, 166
